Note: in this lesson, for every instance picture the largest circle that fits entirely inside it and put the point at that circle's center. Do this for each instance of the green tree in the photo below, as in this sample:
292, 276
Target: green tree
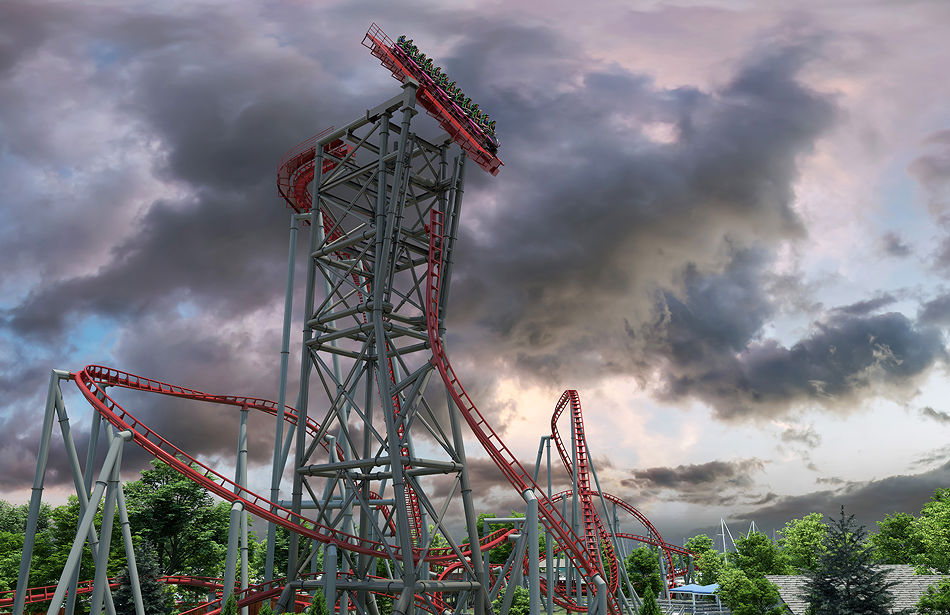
650, 606
643, 570
318, 605
710, 565
802, 541
746, 595
155, 597
179, 517
757, 556
898, 540
936, 601
700, 544
846, 582
498, 555
933, 529
230, 605
707, 561
11, 547
520, 602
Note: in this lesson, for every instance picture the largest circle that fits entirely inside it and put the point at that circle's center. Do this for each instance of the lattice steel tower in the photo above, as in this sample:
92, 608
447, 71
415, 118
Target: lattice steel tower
365, 348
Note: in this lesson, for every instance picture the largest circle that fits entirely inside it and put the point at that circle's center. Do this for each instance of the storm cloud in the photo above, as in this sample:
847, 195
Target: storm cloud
648, 225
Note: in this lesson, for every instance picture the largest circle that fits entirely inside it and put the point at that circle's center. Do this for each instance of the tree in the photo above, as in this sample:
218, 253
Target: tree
318, 605
845, 581
936, 601
706, 559
230, 605
520, 602
700, 544
801, 542
179, 517
746, 595
650, 607
933, 530
710, 564
643, 570
154, 596
757, 556
898, 540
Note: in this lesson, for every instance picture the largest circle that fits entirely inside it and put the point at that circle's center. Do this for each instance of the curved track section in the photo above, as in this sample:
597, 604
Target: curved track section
595, 534
92, 382
499, 452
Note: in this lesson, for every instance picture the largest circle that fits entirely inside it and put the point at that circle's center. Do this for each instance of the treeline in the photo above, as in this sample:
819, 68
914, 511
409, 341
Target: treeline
177, 528
817, 547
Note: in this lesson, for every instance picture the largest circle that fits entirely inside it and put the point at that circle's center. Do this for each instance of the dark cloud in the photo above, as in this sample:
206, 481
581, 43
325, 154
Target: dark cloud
842, 358
570, 270
866, 307
868, 501
936, 311
893, 245
712, 483
937, 415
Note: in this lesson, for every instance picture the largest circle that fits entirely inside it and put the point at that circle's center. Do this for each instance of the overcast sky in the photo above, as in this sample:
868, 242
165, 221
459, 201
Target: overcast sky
725, 223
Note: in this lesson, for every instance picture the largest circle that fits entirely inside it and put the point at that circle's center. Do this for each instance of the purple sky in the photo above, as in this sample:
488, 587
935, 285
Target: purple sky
724, 223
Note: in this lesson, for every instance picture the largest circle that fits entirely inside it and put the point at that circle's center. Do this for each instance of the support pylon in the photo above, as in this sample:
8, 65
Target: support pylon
397, 470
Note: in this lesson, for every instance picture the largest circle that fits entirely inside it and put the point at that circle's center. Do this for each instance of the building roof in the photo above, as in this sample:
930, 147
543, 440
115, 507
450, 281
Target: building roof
692, 588
906, 593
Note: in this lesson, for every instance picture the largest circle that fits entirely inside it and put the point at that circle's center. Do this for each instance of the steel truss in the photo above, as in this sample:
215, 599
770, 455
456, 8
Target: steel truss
367, 355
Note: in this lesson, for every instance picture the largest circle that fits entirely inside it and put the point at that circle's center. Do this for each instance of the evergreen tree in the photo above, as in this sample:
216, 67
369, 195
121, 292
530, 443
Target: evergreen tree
845, 581
650, 607
318, 606
266, 608
154, 598
230, 606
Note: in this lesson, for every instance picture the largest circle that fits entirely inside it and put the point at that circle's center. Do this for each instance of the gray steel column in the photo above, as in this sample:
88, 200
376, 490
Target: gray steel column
241, 479
101, 582
278, 467
329, 577
601, 596
36, 496
482, 603
230, 563
534, 578
83, 496
130, 553
304, 392
384, 220
85, 525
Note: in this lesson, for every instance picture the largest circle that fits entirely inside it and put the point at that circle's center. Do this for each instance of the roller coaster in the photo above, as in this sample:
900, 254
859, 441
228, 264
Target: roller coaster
379, 484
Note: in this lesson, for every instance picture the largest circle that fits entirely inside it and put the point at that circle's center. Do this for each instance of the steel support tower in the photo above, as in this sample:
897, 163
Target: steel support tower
389, 439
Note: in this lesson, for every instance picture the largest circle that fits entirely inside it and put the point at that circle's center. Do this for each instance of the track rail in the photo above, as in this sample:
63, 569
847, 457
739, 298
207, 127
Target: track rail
92, 382
499, 452
595, 534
